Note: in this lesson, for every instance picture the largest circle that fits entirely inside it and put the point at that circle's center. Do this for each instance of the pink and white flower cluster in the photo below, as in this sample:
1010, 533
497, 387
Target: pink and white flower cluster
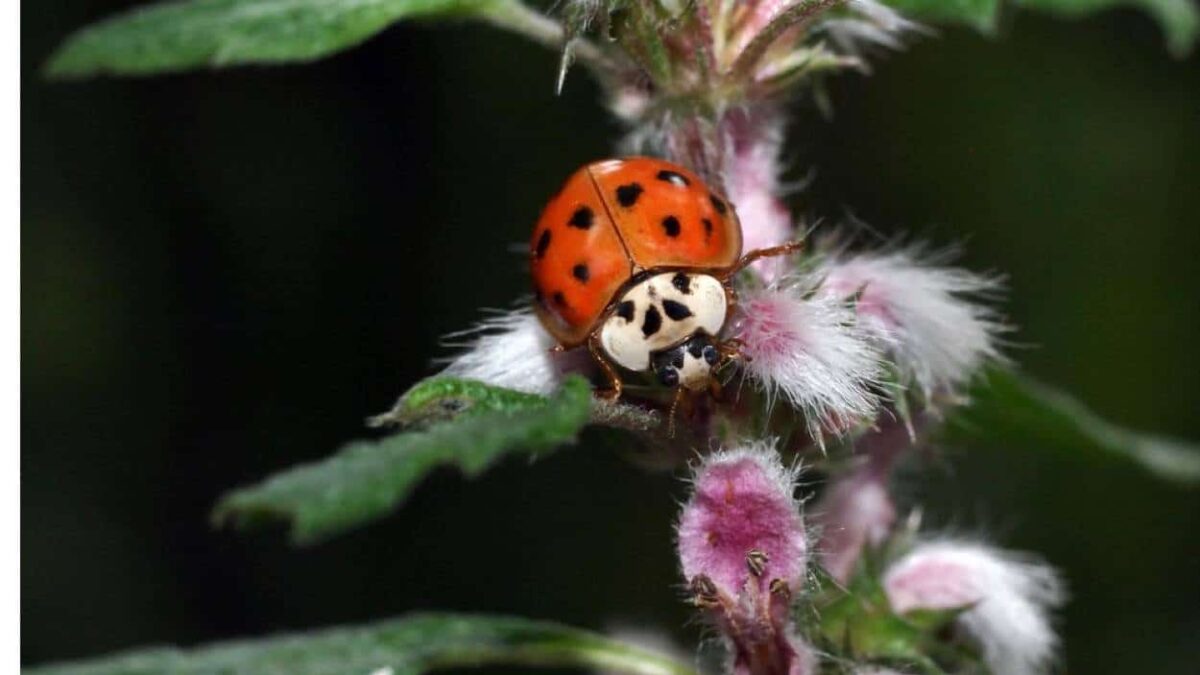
744, 553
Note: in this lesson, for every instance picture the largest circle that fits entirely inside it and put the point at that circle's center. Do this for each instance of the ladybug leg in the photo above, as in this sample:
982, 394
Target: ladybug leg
614, 380
714, 389
759, 254
680, 392
731, 350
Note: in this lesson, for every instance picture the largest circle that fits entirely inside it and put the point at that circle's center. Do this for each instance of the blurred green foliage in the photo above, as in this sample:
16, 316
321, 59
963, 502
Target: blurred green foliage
224, 273
408, 646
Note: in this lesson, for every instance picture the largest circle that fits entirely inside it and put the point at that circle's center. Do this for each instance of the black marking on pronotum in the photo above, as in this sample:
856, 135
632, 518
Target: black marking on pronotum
677, 311
671, 226
682, 283
669, 377
637, 279
695, 348
580, 272
719, 205
673, 178
582, 218
625, 310
627, 195
560, 299
652, 322
708, 227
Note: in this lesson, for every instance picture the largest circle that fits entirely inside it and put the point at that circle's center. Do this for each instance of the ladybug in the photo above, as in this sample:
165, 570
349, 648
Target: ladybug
634, 258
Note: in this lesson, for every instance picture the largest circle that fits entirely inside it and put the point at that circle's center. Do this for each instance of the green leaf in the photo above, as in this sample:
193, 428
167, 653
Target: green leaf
175, 36
368, 479
1011, 408
415, 644
441, 398
1180, 19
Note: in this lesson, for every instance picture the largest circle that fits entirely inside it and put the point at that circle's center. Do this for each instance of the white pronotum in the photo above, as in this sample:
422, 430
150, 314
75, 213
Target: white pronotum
660, 312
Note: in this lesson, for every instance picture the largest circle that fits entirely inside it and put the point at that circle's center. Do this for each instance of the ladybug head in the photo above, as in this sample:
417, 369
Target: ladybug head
688, 364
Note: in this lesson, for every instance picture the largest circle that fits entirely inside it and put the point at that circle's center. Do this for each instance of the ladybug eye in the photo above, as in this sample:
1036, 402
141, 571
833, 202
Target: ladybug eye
710, 355
669, 377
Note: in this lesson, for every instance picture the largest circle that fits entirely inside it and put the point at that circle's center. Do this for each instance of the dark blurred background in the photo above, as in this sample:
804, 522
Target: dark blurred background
224, 273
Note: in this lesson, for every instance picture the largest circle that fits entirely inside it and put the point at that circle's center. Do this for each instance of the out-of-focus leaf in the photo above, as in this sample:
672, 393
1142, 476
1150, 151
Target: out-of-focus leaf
408, 646
175, 36
1013, 409
1180, 19
367, 479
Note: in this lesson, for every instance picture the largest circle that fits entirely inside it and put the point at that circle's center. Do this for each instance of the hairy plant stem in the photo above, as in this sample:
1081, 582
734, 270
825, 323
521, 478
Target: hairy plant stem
516, 16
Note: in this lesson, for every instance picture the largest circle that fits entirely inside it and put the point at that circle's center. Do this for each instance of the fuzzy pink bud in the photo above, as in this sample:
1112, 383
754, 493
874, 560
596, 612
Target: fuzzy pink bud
1006, 599
927, 316
742, 503
809, 351
744, 553
856, 511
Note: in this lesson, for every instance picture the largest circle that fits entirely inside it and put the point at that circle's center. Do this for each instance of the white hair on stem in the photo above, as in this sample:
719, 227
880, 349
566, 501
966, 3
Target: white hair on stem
928, 317
509, 350
808, 349
867, 23
1007, 599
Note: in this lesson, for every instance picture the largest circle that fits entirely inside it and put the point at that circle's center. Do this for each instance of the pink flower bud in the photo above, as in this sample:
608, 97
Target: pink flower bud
809, 351
856, 511
742, 502
926, 316
743, 550
1006, 600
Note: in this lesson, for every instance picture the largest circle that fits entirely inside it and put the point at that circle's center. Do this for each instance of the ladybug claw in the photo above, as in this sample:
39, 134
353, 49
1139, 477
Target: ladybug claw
610, 395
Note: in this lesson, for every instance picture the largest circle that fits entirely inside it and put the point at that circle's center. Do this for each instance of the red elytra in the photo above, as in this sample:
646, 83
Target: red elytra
614, 219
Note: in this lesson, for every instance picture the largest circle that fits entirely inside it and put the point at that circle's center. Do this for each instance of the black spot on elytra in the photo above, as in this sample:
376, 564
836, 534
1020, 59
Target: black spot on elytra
719, 205
580, 272
671, 226
627, 195
543, 243
708, 227
682, 283
560, 299
582, 218
652, 322
677, 311
625, 310
673, 178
